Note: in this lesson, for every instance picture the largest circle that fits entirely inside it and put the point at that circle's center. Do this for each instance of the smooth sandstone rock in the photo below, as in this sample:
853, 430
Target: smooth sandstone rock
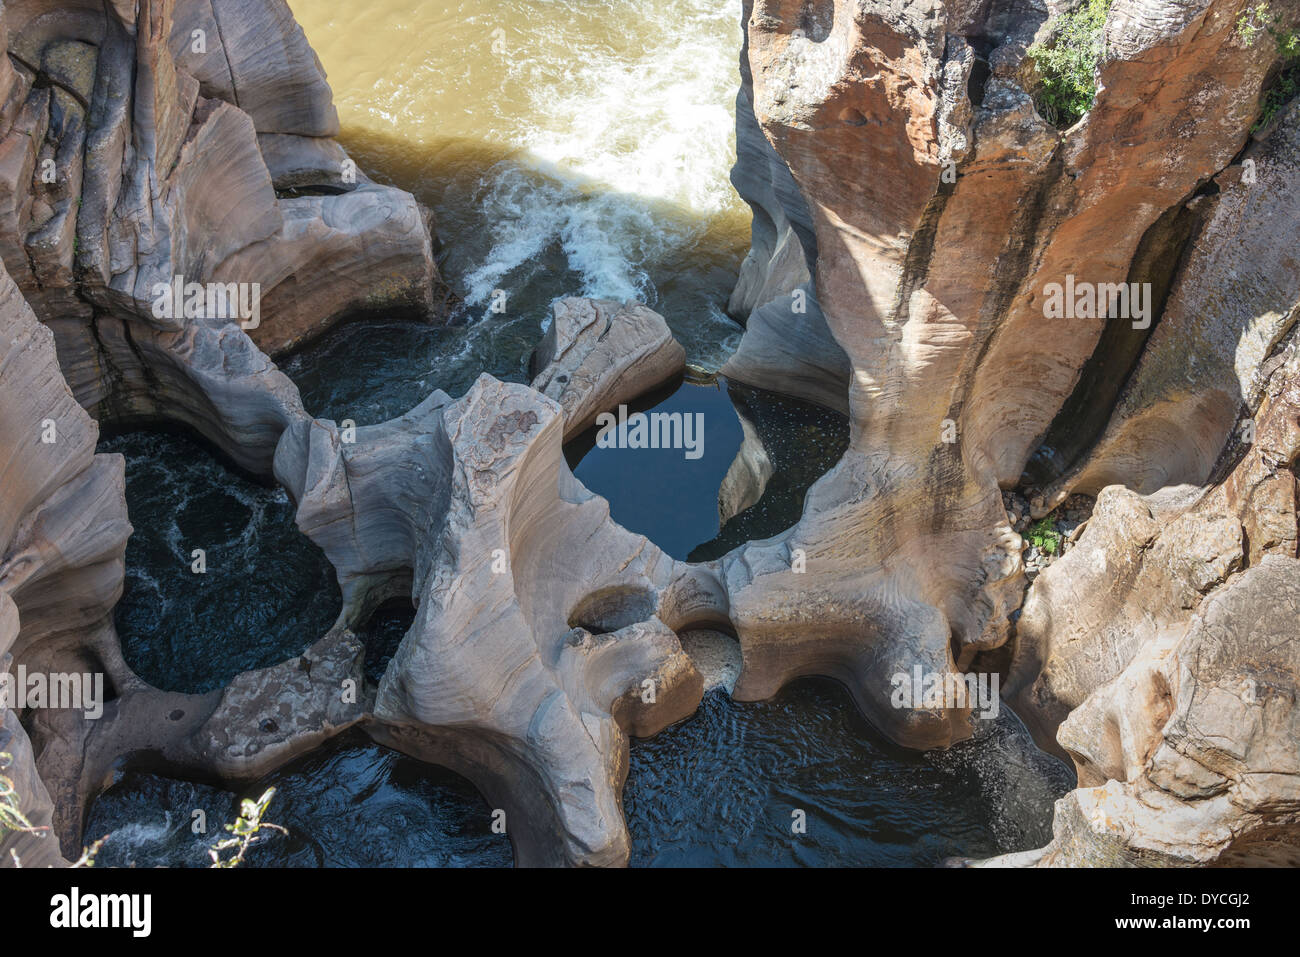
933, 287
1188, 756
597, 354
537, 646
1231, 306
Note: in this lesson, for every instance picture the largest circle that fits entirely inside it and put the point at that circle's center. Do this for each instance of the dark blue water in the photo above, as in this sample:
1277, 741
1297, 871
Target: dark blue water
383, 633
663, 493
373, 371
721, 789
349, 804
268, 592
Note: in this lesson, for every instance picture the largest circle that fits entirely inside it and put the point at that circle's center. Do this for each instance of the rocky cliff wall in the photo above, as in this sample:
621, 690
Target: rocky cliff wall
945, 210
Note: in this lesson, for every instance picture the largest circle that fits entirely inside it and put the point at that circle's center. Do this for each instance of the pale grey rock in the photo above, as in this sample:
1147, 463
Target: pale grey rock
536, 648
257, 58
597, 354
1188, 756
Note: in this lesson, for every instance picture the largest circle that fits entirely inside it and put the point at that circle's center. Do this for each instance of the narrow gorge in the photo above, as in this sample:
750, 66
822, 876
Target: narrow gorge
542, 443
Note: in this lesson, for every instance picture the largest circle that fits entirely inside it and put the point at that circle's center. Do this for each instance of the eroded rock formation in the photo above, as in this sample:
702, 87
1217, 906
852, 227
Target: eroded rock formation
63, 531
945, 208
1188, 756
537, 646
598, 354
912, 210
146, 147
152, 141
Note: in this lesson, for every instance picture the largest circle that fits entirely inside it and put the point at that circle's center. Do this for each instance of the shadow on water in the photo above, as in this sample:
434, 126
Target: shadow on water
803, 441
383, 633
350, 803
672, 499
722, 788
264, 595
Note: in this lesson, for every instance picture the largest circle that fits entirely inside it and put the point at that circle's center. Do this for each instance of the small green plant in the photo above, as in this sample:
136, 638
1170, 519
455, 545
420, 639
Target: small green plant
1067, 64
1251, 25
1043, 536
11, 814
245, 832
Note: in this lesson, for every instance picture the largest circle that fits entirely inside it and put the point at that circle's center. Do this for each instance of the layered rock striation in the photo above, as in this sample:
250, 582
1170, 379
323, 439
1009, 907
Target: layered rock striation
916, 221
951, 223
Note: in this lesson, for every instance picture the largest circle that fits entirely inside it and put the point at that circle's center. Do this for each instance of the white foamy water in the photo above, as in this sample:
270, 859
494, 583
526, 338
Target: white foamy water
568, 147
625, 151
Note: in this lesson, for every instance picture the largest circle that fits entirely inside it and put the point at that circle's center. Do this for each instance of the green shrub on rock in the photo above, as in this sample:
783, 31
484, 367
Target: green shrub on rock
1067, 64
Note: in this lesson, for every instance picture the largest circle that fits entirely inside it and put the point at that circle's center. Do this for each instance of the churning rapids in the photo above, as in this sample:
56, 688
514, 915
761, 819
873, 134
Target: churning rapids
566, 147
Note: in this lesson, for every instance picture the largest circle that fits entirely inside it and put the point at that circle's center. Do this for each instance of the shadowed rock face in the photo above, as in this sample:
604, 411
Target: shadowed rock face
787, 346
1232, 305
142, 146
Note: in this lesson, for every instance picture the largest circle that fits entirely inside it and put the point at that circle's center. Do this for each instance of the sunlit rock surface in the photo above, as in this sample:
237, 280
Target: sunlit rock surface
1188, 756
598, 354
911, 210
537, 646
944, 207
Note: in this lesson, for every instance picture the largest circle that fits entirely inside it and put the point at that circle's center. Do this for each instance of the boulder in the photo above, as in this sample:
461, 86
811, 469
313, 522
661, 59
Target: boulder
597, 354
